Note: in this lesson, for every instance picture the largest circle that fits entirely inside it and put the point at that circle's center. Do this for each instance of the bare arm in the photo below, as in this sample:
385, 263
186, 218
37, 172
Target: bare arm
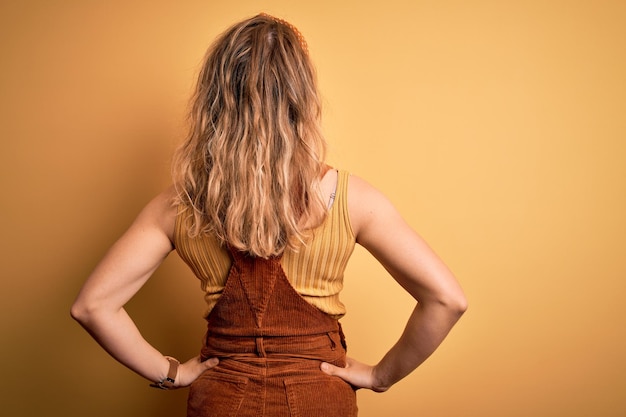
126, 267
440, 301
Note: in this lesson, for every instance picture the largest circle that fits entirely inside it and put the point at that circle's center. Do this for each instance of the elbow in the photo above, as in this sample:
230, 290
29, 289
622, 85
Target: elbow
454, 304
88, 311
460, 306
457, 305
78, 312
82, 312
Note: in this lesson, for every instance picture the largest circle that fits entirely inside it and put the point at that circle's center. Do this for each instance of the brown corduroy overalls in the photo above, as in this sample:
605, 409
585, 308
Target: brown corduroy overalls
270, 343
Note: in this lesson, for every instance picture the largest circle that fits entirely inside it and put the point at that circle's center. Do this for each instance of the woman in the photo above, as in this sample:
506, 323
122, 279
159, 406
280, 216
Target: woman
268, 228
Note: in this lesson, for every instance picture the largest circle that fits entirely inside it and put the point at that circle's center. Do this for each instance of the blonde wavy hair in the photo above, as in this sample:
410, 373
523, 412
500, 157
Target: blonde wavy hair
250, 167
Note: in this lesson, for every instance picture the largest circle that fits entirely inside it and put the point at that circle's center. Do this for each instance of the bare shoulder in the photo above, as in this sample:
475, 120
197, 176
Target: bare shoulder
366, 204
160, 213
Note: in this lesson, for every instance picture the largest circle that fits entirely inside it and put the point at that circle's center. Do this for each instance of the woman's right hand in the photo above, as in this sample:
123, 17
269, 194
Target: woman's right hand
355, 373
192, 369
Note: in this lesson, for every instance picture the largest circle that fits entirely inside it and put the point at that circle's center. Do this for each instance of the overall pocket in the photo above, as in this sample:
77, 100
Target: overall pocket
215, 394
320, 395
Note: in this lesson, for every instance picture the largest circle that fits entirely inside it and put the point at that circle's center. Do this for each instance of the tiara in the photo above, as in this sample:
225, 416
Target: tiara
301, 39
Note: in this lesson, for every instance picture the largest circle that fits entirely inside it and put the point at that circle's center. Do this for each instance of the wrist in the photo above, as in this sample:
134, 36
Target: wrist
379, 382
170, 378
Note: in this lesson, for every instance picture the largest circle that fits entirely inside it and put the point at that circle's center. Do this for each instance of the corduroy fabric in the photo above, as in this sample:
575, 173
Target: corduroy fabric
315, 270
270, 343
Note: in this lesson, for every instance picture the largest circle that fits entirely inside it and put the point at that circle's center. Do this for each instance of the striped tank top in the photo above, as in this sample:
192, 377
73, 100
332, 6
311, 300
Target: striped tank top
315, 271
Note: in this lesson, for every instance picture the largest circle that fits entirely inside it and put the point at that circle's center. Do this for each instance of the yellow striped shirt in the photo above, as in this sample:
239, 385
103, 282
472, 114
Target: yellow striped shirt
315, 271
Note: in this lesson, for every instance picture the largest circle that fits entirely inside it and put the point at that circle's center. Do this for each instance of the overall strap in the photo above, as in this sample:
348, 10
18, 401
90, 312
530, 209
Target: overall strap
258, 300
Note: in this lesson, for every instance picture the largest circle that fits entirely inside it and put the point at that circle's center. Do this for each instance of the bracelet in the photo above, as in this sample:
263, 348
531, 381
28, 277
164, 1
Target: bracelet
168, 381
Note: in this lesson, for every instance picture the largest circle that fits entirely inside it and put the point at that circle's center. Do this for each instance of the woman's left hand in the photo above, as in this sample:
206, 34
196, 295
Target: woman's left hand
357, 374
192, 369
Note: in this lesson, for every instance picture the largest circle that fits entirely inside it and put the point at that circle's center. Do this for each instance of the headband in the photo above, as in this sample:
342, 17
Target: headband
290, 26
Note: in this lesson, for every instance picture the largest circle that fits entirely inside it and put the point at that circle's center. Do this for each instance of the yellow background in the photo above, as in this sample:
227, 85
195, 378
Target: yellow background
497, 127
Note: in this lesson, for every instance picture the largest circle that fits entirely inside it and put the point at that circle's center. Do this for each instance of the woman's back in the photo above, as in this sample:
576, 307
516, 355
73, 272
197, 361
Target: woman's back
315, 269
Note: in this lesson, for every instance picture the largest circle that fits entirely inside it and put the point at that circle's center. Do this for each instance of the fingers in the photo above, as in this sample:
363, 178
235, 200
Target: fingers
210, 363
192, 369
330, 369
357, 374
